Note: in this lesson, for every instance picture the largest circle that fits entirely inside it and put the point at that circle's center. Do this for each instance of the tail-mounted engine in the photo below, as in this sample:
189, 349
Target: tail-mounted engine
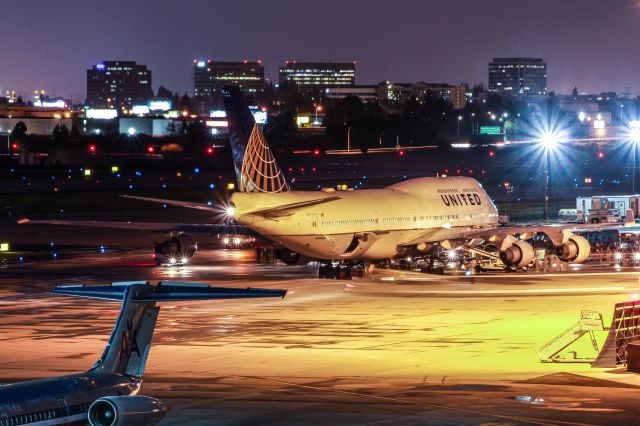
126, 411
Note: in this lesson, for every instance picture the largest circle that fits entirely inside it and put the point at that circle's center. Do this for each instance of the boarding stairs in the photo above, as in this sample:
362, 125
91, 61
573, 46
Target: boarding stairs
589, 322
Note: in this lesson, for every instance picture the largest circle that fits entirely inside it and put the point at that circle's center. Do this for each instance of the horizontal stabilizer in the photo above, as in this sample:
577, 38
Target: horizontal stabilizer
142, 291
19, 218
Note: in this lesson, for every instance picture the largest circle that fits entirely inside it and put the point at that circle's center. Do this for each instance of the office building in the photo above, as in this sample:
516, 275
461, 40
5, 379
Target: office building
395, 95
316, 77
118, 84
366, 93
518, 76
210, 76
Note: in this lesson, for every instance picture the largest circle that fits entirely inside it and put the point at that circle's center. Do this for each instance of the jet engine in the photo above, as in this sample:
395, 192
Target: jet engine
291, 258
517, 255
126, 410
575, 250
178, 249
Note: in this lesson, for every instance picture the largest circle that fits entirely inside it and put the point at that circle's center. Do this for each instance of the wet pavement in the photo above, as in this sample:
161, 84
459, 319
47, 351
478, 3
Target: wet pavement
425, 350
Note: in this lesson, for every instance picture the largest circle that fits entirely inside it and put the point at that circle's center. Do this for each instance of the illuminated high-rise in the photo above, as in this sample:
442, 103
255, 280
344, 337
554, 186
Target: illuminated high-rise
518, 76
118, 84
209, 77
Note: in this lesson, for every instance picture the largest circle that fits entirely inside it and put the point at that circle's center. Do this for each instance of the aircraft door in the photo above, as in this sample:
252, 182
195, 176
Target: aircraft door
376, 220
64, 411
312, 222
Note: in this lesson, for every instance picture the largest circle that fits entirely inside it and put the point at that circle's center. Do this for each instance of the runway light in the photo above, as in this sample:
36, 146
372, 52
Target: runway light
226, 241
236, 241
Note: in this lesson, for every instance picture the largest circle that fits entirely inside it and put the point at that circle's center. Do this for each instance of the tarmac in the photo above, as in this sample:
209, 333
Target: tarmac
416, 350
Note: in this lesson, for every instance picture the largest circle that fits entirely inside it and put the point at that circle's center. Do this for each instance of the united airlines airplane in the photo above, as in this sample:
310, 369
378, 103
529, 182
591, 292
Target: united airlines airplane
107, 394
423, 217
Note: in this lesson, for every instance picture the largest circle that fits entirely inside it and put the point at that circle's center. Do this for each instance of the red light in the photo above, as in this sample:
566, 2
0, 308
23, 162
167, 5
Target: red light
92, 148
482, 171
316, 152
446, 170
151, 149
470, 171
290, 169
601, 154
210, 150
302, 169
313, 170
458, 171
491, 153
401, 152
14, 146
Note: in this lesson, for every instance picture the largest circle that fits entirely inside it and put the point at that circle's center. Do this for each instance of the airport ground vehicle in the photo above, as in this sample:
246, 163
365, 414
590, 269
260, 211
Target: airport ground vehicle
107, 394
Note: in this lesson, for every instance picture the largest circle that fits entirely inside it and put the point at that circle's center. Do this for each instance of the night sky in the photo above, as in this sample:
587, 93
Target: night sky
589, 43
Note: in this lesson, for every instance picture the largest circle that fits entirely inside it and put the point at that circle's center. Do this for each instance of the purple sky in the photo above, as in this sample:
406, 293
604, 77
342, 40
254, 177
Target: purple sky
589, 43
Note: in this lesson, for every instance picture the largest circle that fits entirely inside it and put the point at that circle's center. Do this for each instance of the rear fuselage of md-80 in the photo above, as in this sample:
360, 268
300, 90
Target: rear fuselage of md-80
369, 224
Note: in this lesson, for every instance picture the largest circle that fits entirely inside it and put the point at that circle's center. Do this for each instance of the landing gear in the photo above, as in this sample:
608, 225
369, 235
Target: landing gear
337, 270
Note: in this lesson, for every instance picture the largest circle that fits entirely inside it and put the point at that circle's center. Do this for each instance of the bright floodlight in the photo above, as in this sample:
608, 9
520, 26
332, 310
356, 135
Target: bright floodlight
236, 241
618, 257
226, 241
452, 254
549, 139
173, 260
131, 131
230, 211
214, 131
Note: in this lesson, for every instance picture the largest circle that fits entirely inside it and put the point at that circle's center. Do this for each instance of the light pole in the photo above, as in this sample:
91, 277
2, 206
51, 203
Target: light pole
349, 139
317, 109
549, 140
459, 120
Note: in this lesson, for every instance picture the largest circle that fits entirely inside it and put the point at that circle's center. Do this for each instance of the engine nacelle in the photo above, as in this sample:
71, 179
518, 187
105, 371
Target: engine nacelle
517, 255
575, 250
178, 249
291, 258
126, 410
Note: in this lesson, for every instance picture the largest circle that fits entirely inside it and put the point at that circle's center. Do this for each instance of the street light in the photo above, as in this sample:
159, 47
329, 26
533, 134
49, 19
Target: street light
458, 123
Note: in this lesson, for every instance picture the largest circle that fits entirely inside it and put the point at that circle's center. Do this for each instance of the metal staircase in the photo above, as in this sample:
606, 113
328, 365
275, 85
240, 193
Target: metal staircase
589, 322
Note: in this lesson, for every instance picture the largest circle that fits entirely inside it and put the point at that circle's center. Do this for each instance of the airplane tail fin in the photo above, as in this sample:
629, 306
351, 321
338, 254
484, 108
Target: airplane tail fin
254, 163
130, 342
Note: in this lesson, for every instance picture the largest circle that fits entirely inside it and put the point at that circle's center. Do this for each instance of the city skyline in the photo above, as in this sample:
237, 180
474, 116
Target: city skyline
414, 41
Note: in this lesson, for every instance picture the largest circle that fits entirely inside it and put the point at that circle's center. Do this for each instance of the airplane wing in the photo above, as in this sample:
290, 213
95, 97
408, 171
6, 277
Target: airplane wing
204, 228
289, 209
557, 233
185, 204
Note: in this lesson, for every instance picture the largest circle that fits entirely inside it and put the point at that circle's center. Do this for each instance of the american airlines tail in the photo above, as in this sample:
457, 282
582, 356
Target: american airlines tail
255, 166
130, 342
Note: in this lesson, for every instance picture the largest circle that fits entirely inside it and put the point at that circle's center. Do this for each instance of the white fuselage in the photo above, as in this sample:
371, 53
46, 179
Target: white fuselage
368, 224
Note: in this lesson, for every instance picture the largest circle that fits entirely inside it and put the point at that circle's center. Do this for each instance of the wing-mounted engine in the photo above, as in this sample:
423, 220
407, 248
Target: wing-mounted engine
126, 411
575, 249
177, 249
517, 255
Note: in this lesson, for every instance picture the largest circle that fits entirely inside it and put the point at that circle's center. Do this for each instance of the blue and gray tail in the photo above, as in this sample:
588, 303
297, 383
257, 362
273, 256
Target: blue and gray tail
130, 342
254, 163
